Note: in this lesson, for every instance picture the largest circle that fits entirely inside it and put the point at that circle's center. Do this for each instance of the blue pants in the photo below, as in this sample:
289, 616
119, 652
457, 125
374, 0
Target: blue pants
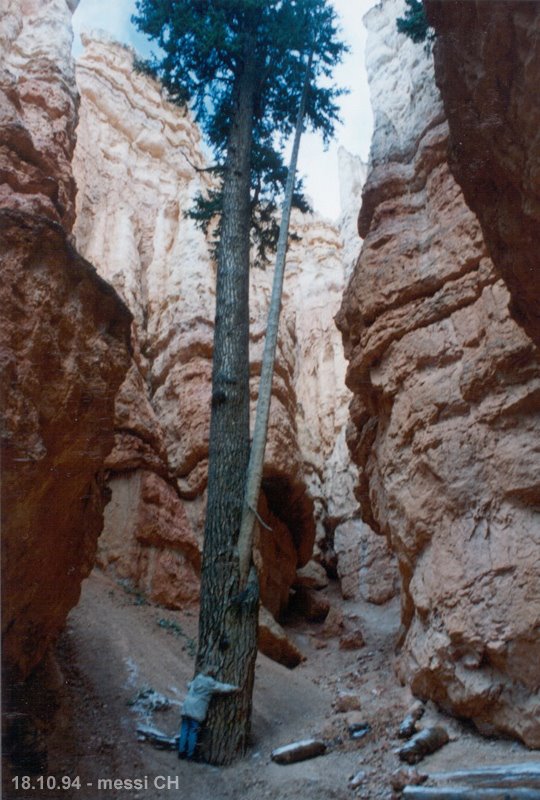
188, 736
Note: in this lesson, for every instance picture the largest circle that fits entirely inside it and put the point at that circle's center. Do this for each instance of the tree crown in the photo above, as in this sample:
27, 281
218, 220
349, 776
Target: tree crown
203, 53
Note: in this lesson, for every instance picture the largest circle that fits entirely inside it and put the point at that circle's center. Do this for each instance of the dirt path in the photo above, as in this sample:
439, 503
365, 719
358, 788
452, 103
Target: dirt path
115, 646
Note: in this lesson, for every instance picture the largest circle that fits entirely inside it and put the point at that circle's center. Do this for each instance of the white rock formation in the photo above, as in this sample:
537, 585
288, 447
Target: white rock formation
402, 89
352, 176
38, 107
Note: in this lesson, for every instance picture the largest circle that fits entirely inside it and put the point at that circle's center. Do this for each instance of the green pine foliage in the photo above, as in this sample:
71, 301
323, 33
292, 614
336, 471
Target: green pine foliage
201, 50
414, 24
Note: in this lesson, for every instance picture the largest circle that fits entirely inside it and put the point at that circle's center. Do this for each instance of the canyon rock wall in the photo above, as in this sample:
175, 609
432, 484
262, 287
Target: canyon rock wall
64, 344
38, 109
138, 165
352, 173
487, 65
444, 421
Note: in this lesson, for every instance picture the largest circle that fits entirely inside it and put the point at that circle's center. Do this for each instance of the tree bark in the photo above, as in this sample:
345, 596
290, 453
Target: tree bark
260, 431
228, 624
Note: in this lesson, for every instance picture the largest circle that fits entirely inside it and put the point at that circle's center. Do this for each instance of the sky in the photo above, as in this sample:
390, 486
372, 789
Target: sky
319, 167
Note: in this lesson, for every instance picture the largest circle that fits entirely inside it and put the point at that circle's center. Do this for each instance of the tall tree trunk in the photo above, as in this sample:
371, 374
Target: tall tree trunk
260, 431
227, 624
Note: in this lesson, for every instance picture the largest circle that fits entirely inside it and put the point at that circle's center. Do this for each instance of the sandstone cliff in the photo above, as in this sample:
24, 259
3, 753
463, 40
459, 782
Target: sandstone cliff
138, 165
38, 109
445, 410
64, 346
487, 65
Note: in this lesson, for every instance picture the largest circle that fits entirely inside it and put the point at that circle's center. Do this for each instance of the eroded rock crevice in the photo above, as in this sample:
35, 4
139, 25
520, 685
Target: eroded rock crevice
445, 409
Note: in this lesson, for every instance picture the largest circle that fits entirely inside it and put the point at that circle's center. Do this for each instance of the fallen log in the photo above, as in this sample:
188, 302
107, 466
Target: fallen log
298, 751
422, 744
467, 793
157, 738
526, 775
408, 726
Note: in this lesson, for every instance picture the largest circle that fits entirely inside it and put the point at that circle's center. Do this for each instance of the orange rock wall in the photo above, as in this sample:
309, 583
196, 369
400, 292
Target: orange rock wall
487, 66
445, 412
64, 343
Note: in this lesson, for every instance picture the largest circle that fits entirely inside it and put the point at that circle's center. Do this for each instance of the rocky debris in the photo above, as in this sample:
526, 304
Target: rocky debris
287, 707
354, 719
333, 625
319, 644
334, 731
345, 629
312, 576
355, 781
274, 642
422, 744
406, 776
359, 729
345, 701
487, 65
309, 604
408, 726
298, 751
445, 410
351, 640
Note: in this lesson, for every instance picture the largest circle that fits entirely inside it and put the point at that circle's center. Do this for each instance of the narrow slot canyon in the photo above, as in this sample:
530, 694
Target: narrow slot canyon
397, 543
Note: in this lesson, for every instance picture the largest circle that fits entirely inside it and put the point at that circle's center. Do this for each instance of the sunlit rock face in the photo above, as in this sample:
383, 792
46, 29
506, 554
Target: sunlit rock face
352, 177
138, 167
64, 343
487, 65
38, 109
365, 563
445, 412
